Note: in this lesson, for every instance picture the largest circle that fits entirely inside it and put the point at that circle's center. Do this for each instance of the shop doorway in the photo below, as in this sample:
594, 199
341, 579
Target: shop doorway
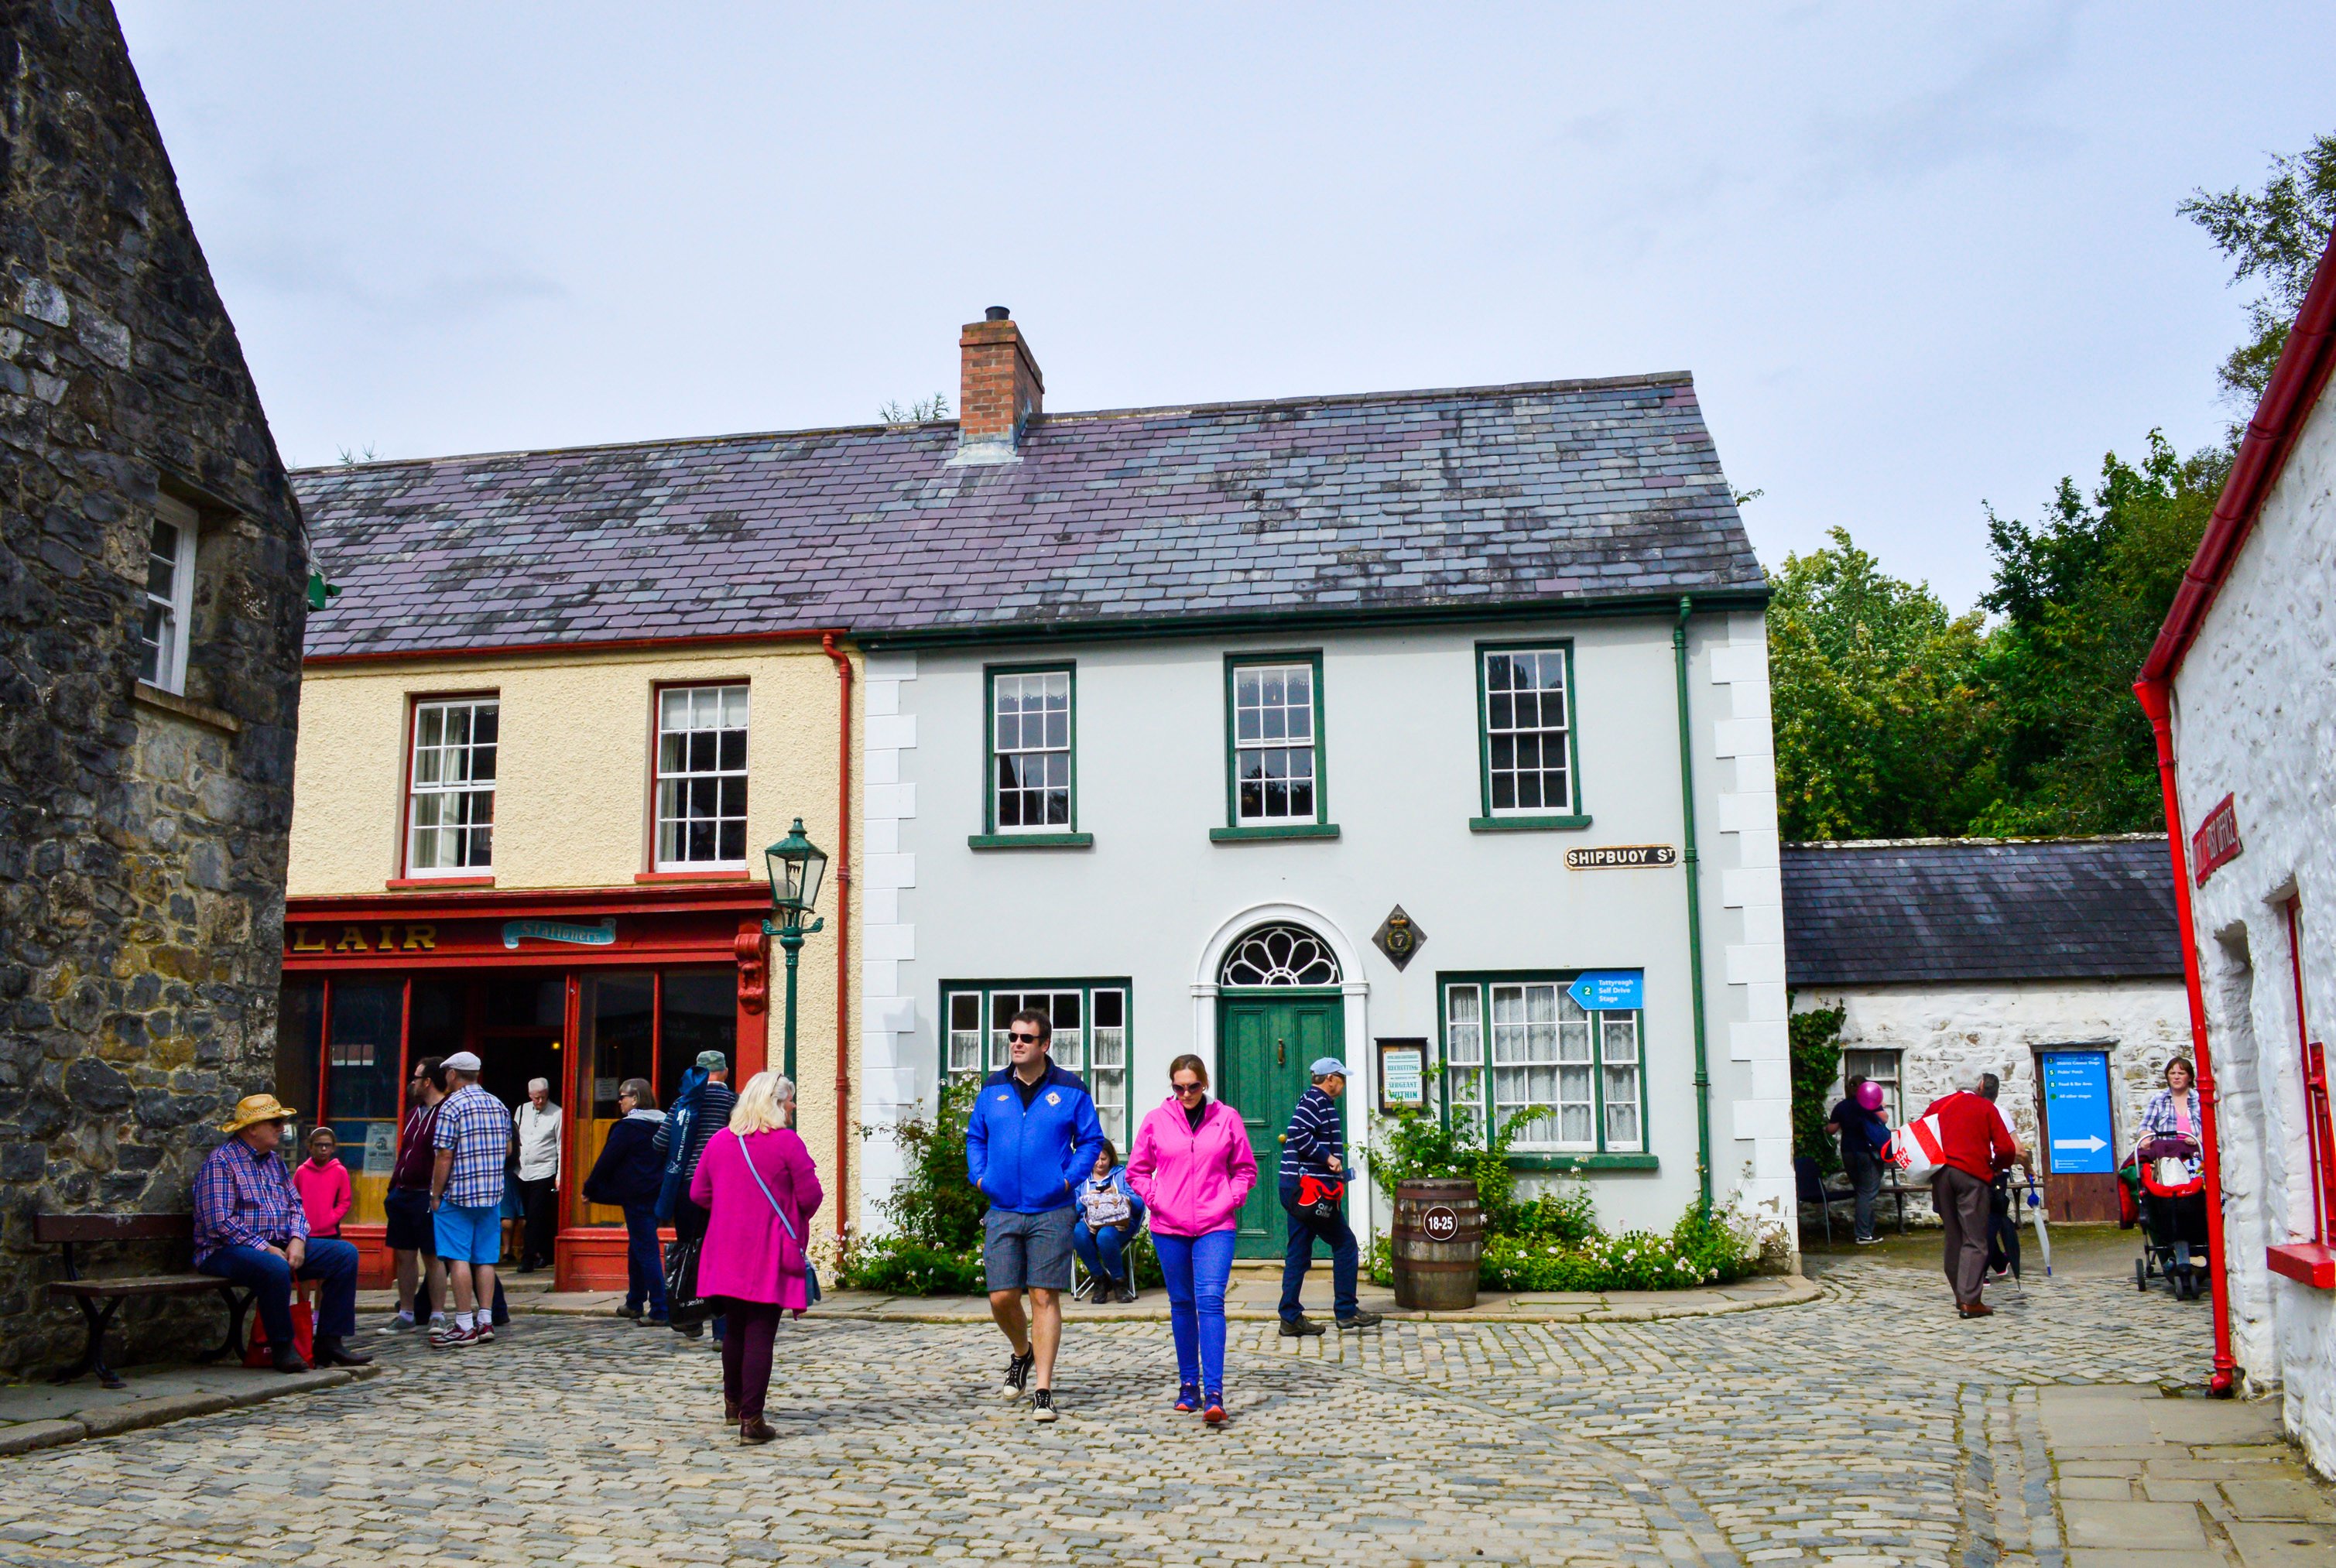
647, 1024
1265, 1045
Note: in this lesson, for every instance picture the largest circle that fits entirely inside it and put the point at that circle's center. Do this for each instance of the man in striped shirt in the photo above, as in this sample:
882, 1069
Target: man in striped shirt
1313, 1153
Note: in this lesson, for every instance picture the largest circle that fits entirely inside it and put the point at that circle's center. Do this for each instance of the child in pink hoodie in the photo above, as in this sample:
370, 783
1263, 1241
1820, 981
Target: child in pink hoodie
324, 1184
1192, 1165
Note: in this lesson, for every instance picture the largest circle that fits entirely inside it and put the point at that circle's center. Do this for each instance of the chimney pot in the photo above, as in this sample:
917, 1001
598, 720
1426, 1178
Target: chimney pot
997, 313
999, 391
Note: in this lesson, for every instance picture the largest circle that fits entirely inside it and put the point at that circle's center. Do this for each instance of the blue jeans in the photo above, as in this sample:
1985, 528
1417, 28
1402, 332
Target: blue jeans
1300, 1257
1104, 1251
643, 1259
331, 1262
1198, 1269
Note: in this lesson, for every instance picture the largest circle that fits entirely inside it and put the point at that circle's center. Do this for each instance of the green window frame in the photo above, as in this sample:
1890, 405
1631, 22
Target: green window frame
1510, 1039
1030, 759
1264, 768
1093, 1035
1512, 762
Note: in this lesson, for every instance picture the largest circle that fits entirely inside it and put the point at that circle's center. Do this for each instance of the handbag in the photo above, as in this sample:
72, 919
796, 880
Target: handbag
1919, 1149
810, 1270
684, 1307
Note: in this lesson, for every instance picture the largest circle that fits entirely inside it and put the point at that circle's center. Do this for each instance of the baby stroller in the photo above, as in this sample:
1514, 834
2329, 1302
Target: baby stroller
2172, 1220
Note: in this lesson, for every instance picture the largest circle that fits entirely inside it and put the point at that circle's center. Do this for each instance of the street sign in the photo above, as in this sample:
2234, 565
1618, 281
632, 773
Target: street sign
1615, 990
1626, 855
2077, 1110
2216, 841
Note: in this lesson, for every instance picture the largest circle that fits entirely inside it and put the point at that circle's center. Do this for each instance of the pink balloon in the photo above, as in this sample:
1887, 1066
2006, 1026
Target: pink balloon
1869, 1094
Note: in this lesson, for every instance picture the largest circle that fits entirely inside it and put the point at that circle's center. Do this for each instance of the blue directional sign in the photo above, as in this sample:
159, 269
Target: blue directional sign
1619, 990
2076, 1111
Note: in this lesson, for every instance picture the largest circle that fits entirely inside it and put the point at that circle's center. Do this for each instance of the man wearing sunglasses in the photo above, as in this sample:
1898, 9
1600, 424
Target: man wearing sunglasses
1033, 1136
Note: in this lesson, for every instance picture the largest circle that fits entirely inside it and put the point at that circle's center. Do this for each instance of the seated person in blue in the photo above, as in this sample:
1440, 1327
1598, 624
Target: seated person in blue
1109, 1212
249, 1228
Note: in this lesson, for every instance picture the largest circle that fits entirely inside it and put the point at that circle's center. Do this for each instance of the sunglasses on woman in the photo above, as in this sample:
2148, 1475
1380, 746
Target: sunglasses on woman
1184, 1089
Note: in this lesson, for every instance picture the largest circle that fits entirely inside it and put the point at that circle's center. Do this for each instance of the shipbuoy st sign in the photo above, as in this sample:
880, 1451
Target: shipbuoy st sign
1621, 855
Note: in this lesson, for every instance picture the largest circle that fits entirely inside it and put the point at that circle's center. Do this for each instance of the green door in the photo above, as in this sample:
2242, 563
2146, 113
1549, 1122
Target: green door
1265, 1041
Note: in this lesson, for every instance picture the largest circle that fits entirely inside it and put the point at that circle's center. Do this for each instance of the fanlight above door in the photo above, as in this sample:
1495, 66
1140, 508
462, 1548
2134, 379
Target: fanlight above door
1279, 956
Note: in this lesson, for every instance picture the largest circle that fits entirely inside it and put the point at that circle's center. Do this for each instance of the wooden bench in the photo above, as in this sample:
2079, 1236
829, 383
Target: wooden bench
99, 1299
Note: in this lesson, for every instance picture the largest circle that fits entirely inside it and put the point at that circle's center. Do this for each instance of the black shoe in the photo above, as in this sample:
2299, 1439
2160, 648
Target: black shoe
1018, 1373
287, 1359
1361, 1319
331, 1352
1127, 1294
1042, 1404
1299, 1328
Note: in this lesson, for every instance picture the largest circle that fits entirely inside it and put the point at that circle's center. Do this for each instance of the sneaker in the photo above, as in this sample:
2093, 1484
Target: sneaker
401, 1324
1297, 1328
451, 1336
1018, 1373
483, 1333
1042, 1404
1361, 1319
1188, 1399
1215, 1414
1868, 1240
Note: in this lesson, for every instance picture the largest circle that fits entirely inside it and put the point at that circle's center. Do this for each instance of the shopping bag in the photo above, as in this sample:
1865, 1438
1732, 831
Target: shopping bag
260, 1353
1318, 1198
1918, 1148
684, 1307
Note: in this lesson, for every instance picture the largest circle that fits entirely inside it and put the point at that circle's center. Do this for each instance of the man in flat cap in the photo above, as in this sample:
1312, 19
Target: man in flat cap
249, 1228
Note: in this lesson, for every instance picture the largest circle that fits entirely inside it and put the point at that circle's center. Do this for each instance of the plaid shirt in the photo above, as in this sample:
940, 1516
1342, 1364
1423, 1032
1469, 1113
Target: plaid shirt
2157, 1122
474, 1125
244, 1198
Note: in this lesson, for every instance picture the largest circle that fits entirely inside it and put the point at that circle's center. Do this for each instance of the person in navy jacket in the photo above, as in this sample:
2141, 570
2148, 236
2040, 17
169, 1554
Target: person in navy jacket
1032, 1137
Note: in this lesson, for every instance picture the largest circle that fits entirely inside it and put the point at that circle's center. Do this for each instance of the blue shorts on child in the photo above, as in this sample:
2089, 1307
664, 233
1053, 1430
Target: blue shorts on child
470, 1235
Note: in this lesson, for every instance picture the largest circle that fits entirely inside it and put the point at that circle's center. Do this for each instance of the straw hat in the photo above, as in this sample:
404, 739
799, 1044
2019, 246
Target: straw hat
254, 1108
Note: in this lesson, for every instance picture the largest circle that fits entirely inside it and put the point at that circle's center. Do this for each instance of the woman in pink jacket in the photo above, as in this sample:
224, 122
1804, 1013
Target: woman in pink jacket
1192, 1166
756, 1179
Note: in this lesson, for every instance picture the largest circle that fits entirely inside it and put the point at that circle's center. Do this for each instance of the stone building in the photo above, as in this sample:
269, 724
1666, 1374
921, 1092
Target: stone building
2055, 964
2241, 688
152, 595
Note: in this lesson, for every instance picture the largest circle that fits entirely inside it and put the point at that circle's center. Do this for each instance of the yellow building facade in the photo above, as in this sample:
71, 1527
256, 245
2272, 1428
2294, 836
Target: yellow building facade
553, 858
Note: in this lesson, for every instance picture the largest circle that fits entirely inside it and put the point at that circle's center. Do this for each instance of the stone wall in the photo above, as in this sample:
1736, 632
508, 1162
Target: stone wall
141, 831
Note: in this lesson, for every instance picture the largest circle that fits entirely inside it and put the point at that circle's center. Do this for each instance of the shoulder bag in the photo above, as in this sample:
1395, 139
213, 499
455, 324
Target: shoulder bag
810, 1271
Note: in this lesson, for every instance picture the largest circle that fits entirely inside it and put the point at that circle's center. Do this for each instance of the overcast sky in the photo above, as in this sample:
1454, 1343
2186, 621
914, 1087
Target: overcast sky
1917, 258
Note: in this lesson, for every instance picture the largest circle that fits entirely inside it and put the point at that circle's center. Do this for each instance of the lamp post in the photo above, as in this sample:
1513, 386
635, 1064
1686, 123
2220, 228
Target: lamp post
796, 866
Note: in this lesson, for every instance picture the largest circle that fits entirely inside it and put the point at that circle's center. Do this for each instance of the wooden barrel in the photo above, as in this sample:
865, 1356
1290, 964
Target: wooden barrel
1439, 1239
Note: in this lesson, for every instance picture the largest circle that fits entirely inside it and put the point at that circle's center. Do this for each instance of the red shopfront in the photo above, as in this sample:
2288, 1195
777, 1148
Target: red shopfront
585, 989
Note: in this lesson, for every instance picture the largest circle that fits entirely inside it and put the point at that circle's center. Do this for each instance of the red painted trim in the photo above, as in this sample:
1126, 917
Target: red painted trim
2311, 1263
842, 936
2295, 389
746, 877
610, 645
524, 902
410, 884
2154, 702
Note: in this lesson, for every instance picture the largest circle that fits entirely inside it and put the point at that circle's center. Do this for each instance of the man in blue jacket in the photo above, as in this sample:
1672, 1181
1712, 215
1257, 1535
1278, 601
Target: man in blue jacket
1033, 1136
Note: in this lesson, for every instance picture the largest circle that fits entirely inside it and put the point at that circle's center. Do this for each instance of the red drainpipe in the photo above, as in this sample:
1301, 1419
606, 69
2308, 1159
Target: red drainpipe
842, 937
2153, 695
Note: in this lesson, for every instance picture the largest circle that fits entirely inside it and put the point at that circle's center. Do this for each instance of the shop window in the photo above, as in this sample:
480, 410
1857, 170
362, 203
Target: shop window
1526, 732
1031, 752
339, 1063
701, 782
1520, 1043
169, 596
300, 1049
451, 812
1879, 1068
649, 1025
697, 1010
1090, 1020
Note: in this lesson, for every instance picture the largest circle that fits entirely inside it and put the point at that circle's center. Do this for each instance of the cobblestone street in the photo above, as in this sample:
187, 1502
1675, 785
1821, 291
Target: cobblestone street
1871, 1427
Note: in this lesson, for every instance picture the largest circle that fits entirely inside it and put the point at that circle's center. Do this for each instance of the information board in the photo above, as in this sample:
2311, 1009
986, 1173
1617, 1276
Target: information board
1609, 988
2077, 1110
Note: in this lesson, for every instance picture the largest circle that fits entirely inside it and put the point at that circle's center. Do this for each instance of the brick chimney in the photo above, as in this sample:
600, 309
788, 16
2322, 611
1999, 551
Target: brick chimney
999, 392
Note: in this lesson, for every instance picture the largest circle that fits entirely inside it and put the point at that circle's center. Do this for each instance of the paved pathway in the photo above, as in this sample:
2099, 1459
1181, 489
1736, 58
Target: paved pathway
1868, 1428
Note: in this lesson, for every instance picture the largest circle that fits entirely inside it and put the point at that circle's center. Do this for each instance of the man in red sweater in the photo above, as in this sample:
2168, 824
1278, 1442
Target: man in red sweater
1976, 1144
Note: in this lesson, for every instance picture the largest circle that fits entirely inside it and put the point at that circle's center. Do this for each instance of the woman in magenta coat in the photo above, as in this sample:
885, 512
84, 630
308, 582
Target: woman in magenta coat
1193, 1166
756, 1180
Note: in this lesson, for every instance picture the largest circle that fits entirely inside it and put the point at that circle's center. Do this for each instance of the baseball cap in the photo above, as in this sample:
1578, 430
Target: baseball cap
1324, 1066
463, 1062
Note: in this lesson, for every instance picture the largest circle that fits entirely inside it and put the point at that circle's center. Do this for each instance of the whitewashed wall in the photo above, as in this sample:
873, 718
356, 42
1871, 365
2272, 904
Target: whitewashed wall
2255, 719
1154, 899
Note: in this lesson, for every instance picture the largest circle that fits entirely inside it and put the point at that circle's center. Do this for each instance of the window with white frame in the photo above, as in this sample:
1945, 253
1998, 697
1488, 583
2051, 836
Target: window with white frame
450, 811
169, 596
1090, 1023
1275, 776
1876, 1067
1514, 1044
1528, 756
701, 779
1031, 751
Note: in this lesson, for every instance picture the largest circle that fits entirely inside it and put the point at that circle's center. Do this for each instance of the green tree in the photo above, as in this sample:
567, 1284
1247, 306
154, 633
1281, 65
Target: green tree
1878, 727
1816, 1058
2276, 234
2082, 594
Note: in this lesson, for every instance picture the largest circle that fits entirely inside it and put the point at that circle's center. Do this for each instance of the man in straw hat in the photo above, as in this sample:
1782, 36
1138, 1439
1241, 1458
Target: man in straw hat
249, 1228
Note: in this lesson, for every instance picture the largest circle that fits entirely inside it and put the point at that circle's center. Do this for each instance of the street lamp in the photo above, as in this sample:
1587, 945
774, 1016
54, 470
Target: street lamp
796, 865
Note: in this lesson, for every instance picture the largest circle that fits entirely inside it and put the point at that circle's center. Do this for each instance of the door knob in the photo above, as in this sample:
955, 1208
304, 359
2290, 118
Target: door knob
1280, 1055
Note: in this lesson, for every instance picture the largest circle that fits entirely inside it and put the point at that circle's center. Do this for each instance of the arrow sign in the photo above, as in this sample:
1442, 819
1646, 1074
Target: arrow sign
2090, 1145
2079, 1115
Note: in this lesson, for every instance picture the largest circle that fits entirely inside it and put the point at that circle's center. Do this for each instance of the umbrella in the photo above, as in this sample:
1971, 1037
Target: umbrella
2043, 1236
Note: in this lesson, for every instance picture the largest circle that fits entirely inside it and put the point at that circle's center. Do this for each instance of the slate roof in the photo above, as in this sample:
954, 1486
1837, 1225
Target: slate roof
1934, 911
1549, 493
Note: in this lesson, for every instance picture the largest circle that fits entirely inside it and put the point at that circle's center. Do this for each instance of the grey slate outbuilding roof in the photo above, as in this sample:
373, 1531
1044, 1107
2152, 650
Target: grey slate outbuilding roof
1554, 493
1936, 911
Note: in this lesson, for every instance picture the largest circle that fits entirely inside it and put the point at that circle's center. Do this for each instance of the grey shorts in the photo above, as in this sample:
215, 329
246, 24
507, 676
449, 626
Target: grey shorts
1028, 1251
